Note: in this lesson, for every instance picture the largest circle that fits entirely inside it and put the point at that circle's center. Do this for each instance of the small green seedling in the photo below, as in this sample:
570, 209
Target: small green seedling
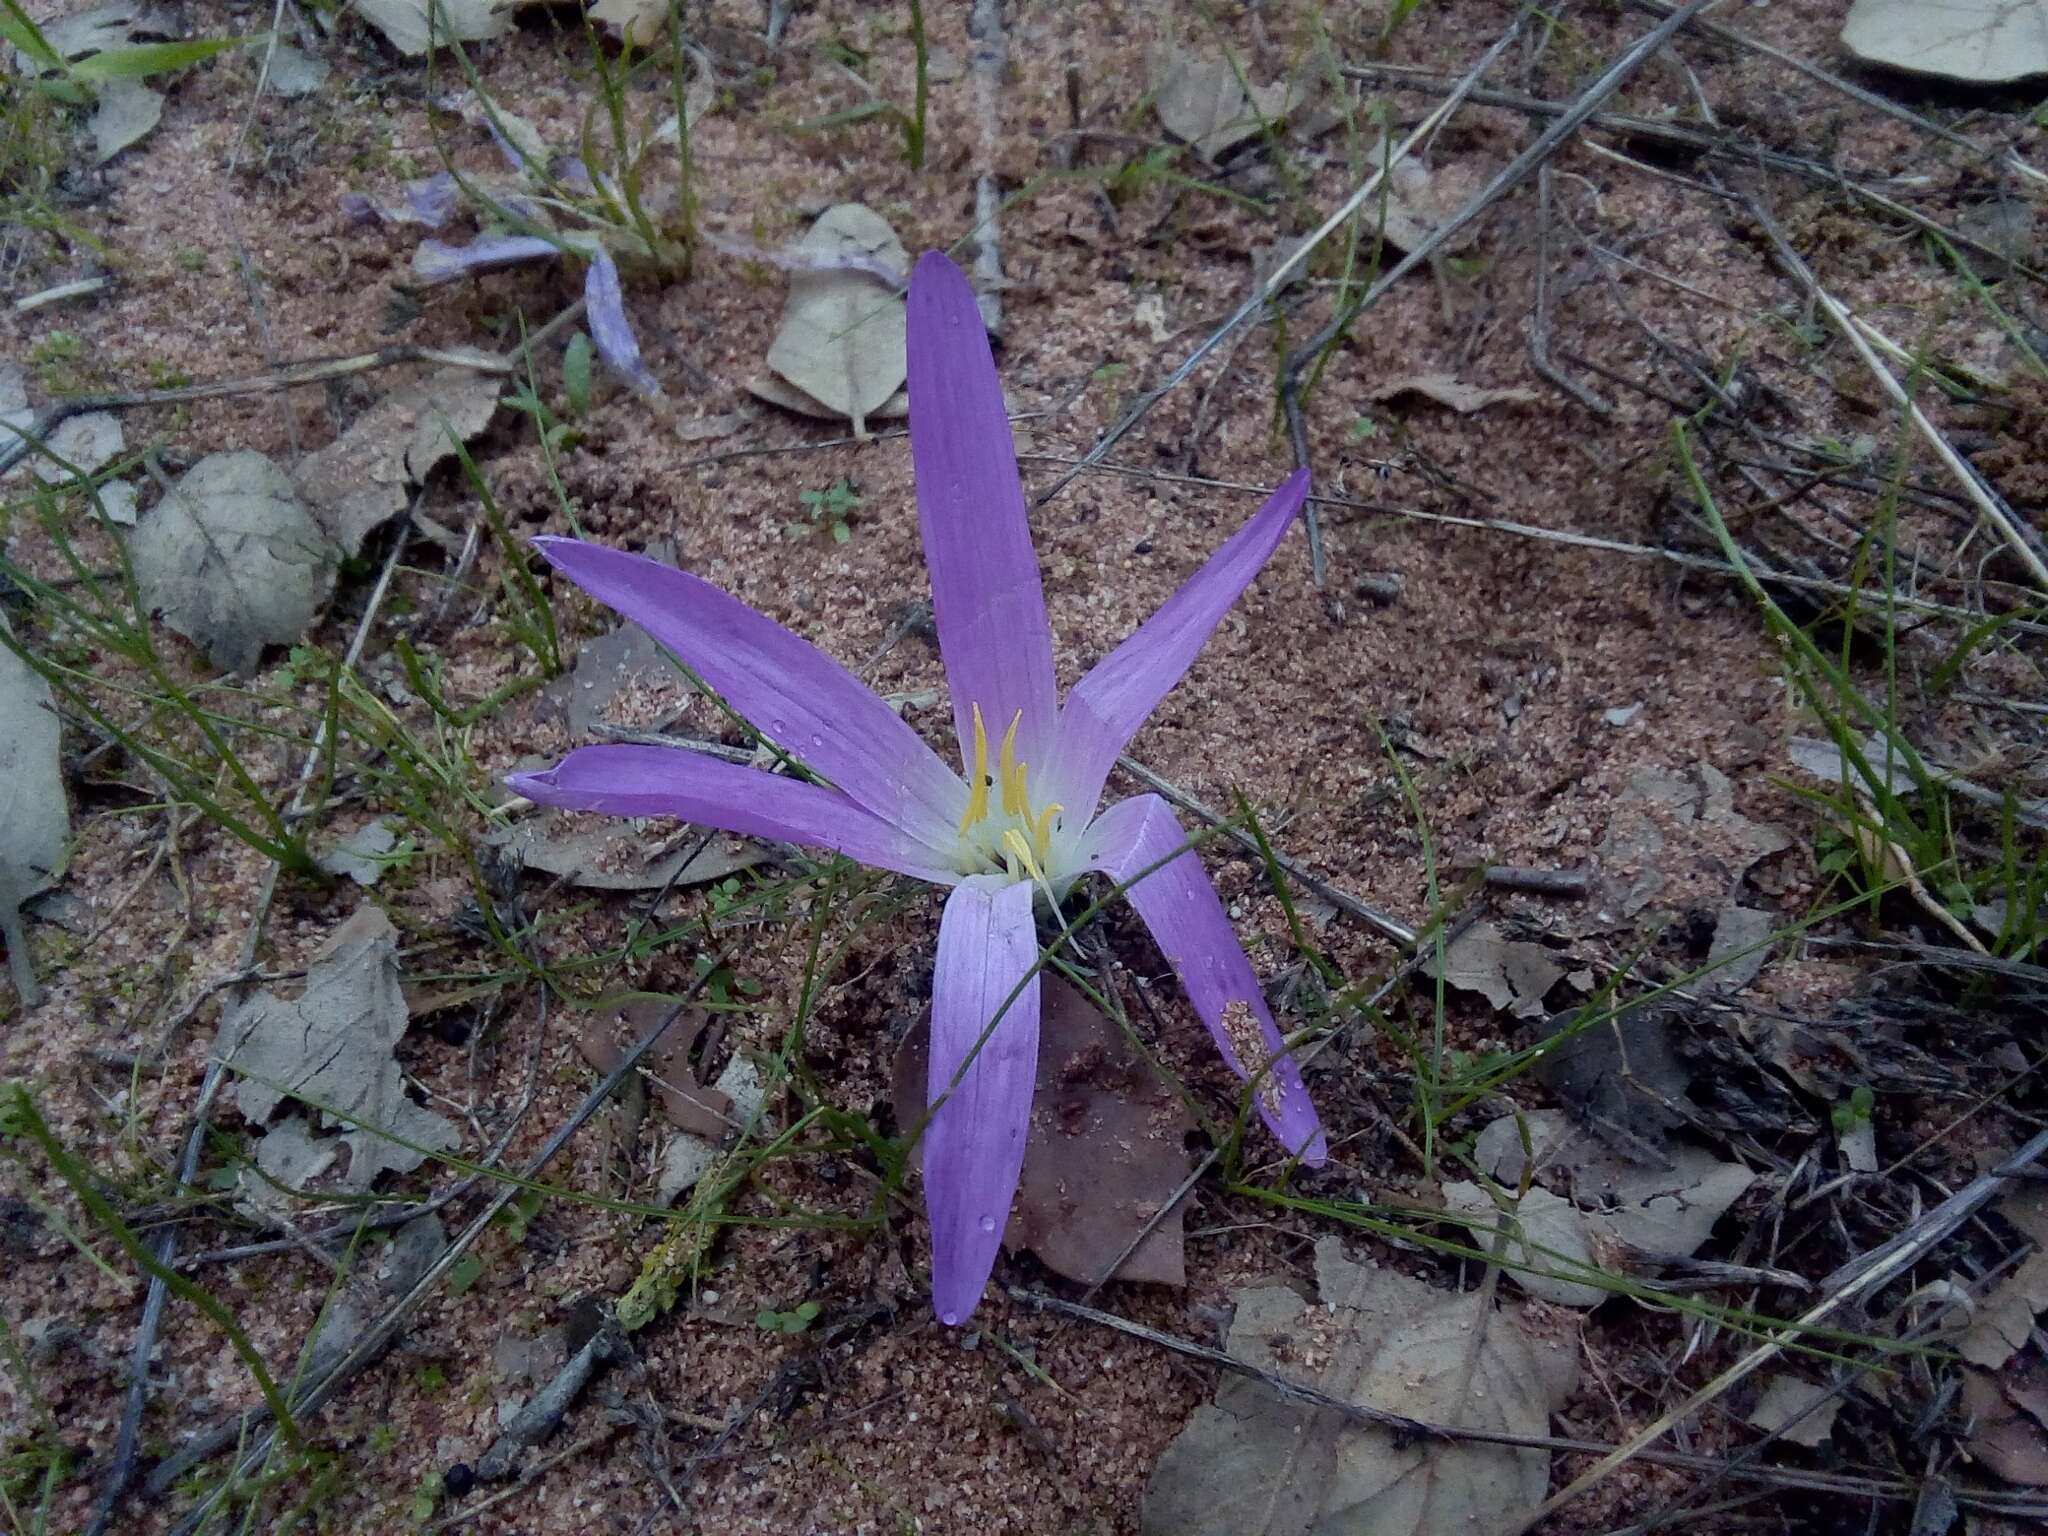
796, 1320
828, 508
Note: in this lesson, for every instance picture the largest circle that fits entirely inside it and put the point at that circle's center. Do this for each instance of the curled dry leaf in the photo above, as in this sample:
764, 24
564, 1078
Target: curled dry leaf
359, 481
2004, 1320
231, 559
686, 1103
1256, 1464
1108, 1147
34, 820
841, 344
1448, 391
1980, 42
330, 1048
405, 26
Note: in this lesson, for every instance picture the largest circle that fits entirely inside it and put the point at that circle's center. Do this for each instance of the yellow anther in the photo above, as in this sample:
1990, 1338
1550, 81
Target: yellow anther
1010, 772
977, 781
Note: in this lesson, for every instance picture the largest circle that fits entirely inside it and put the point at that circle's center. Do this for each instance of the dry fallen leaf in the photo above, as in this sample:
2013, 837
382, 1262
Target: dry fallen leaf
2006, 1413
1107, 1147
34, 820
638, 22
404, 22
1256, 1464
231, 559
1544, 1232
1448, 391
622, 855
624, 660
357, 856
359, 481
1800, 1411
686, 1103
1981, 42
85, 443
330, 1048
1201, 99
125, 112
1508, 973
842, 339
2004, 1320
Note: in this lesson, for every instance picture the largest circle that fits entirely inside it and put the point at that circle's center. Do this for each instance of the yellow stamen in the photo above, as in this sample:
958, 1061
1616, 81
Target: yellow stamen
1041, 832
977, 781
1010, 772
1018, 849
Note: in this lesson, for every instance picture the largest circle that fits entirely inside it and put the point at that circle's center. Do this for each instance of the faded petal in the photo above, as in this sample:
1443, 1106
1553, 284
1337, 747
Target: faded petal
986, 599
1104, 709
436, 261
628, 780
1188, 924
605, 307
802, 699
974, 1146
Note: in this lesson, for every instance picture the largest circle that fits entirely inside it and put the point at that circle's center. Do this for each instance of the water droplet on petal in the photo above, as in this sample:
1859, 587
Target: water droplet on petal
950, 1319
817, 740
988, 1223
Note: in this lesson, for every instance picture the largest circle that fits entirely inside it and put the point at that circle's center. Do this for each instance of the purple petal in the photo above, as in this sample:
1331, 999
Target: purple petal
605, 307
1188, 924
431, 199
974, 1146
572, 173
629, 780
1104, 710
435, 261
786, 687
359, 210
970, 506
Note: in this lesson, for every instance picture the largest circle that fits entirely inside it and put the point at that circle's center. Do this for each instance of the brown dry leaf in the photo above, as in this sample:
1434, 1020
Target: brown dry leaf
1508, 973
1544, 1233
626, 658
1448, 391
686, 1103
842, 339
359, 481
1980, 42
1417, 202
2006, 1434
330, 1048
1258, 1465
231, 559
610, 854
125, 112
1107, 1149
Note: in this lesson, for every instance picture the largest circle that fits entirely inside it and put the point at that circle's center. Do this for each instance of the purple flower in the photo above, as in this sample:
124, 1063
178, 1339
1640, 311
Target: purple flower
1021, 825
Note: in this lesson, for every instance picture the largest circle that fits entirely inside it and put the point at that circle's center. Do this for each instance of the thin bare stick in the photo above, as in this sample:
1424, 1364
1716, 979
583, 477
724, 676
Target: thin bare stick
2018, 538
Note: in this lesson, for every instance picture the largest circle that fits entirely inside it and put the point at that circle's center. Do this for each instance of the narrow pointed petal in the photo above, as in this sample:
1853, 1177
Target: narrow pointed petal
1104, 710
605, 307
974, 1146
786, 687
1188, 923
986, 598
627, 780
436, 261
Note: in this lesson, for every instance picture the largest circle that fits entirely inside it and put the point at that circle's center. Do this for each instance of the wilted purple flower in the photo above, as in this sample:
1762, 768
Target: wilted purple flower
1020, 825
429, 201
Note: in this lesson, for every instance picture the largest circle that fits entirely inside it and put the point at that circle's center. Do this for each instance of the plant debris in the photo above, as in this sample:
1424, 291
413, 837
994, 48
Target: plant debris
1201, 99
126, 112
359, 855
359, 482
1446, 390
1107, 1147
1796, 1409
231, 559
1979, 42
612, 855
35, 822
330, 1048
1511, 974
404, 23
1257, 1464
841, 345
